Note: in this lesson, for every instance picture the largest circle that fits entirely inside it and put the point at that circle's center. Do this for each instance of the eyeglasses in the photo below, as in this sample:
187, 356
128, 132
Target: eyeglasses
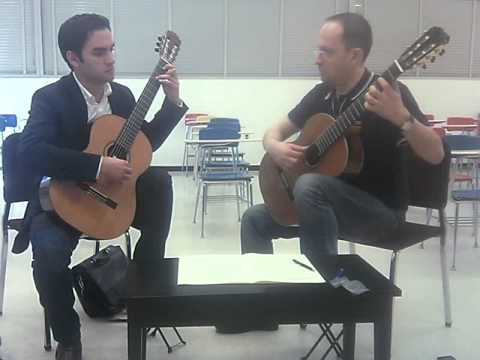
323, 52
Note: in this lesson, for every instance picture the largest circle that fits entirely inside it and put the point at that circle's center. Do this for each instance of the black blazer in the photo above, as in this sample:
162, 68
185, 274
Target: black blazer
57, 131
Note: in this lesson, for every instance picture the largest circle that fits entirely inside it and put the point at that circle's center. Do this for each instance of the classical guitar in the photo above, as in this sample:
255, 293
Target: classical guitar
105, 211
327, 149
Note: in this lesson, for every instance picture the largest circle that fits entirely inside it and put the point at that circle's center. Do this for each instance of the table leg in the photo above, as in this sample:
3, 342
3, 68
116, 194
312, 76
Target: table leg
349, 341
383, 333
136, 342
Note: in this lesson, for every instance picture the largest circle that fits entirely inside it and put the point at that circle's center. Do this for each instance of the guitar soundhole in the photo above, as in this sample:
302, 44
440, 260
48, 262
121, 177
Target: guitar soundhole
312, 156
118, 151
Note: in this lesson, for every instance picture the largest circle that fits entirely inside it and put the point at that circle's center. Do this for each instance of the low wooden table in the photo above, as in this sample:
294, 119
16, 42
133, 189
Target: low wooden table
155, 299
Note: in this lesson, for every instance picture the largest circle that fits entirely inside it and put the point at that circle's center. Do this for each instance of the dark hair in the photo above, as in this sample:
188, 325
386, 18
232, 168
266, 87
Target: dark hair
357, 32
74, 32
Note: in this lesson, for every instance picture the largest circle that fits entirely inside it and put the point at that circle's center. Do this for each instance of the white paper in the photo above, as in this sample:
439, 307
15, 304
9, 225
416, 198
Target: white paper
245, 269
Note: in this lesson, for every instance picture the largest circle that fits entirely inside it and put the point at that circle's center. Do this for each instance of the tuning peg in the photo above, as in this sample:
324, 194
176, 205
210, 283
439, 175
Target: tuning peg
432, 59
424, 66
157, 49
442, 51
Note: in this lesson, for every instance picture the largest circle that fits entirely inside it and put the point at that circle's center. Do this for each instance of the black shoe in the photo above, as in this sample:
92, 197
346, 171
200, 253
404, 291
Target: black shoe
242, 328
71, 352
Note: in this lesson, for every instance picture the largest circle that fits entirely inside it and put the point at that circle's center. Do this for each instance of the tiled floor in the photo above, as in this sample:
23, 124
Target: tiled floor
418, 332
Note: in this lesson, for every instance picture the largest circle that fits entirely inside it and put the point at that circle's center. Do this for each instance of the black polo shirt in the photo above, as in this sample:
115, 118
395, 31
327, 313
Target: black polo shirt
379, 174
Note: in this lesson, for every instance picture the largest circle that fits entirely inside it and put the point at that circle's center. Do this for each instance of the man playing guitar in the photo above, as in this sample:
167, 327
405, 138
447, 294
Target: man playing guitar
56, 133
358, 207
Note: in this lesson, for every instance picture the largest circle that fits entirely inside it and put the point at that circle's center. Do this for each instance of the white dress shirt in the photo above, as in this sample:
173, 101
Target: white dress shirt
96, 109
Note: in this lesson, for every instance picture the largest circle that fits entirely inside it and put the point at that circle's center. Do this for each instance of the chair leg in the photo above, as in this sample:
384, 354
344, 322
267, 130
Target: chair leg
455, 230
445, 282
237, 197
349, 341
204, 200
4, 255
393, 267
475, 223
196, 203
251, 193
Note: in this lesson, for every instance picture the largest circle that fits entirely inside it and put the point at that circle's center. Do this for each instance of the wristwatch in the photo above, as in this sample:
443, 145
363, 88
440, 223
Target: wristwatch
408, 124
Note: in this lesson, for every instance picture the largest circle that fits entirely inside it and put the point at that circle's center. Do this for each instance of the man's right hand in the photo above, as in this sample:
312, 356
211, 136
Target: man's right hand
114, 170
287, 155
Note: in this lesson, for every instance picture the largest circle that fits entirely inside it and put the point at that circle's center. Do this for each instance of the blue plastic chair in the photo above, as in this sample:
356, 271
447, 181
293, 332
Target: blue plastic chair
214, 171
7, 120
457, 144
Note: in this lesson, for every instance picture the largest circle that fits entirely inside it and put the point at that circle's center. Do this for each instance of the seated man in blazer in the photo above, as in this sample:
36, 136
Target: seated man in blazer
56, 133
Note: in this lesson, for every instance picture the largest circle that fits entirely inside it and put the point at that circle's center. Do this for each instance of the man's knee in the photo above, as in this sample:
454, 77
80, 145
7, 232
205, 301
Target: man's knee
253, 214
156, 177
52, 244
48, 258
309, 187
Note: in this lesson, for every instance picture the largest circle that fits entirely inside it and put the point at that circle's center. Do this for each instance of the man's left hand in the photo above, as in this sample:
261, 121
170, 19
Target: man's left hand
385, 101
170, 83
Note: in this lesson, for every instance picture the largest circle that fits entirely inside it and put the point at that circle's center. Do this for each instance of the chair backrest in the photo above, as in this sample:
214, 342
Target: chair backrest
460, 120
18, 182
192, 117
219, 133
427, 183
463, 142
225, 123
9, 120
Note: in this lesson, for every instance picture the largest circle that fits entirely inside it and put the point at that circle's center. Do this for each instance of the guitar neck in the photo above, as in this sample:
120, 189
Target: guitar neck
134, 123
345, 120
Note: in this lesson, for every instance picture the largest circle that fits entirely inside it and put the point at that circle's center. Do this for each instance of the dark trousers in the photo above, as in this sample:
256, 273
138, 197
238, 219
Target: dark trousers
53, 242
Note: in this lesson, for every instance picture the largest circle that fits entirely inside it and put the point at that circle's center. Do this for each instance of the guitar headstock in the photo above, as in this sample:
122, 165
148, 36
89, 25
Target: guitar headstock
168, 46
425, 49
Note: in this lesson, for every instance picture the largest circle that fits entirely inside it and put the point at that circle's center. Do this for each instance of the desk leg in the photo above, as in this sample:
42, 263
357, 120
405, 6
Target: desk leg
136, 342
383, 333
349, 341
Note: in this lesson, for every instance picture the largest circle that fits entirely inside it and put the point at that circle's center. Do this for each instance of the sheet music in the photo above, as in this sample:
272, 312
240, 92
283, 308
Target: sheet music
245, 269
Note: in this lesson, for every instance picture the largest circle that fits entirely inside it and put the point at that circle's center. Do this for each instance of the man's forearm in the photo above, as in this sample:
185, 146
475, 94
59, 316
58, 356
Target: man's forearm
424, 142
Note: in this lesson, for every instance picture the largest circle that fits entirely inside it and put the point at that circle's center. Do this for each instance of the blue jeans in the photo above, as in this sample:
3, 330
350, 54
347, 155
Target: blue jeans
53, 242
328, 209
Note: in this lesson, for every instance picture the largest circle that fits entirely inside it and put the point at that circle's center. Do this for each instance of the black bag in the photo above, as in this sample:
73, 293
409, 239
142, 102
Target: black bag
101, 282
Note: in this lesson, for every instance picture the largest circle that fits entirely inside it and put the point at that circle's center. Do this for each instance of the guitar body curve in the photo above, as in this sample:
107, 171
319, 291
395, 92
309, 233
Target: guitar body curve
277, 185
84, 211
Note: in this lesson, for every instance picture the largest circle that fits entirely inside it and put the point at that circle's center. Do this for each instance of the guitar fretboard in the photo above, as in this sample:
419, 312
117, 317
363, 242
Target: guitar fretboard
351, 115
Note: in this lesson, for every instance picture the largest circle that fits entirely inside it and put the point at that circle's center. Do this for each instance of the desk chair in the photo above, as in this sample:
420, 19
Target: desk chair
189, 151
19, 187
7, 120
230, 172
422, 185
461, 196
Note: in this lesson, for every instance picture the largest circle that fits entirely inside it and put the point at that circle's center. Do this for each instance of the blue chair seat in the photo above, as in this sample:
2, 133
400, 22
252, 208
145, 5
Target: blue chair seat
226, 176
466, 195
226, 163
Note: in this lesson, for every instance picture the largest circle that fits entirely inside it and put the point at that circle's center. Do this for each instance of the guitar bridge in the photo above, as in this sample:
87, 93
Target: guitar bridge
98, 195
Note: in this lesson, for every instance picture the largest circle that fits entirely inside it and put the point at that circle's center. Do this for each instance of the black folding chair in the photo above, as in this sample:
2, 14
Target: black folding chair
19, 186
421, 185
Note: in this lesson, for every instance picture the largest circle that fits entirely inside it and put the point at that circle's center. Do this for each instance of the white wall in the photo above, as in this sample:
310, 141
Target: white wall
258, 103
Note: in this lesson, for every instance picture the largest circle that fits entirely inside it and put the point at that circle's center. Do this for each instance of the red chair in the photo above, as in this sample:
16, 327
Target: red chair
189, 152
460, 120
